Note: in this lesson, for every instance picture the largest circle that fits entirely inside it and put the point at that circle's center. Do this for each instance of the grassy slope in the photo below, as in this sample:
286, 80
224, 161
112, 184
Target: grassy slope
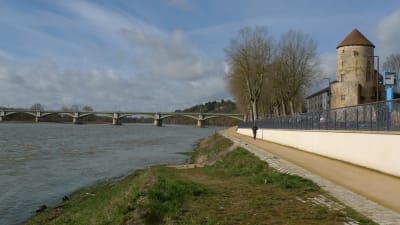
237, 189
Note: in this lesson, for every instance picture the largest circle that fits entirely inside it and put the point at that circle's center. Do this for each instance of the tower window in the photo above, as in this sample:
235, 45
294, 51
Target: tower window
368, 71
343, 97
342, 77
355, 53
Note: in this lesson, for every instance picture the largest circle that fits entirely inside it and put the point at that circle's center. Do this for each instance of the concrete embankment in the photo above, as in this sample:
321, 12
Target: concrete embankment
375, 150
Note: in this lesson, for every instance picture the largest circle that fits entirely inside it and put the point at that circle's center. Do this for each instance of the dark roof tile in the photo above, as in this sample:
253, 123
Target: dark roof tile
355, 38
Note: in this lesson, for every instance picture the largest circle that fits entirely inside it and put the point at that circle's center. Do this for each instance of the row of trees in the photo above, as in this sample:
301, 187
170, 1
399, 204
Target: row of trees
267, 77
73, 108
223, 106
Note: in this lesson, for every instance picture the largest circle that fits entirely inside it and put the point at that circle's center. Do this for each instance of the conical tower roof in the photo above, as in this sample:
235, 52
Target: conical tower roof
355, 38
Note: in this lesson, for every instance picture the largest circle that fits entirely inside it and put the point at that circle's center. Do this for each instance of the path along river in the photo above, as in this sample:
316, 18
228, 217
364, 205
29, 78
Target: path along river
40, 163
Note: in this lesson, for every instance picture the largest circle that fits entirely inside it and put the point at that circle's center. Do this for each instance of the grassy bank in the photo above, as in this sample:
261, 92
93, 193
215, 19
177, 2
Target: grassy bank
225, 185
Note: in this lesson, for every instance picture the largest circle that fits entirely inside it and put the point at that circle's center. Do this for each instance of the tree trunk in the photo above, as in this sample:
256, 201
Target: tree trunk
283, 109
254, 110
291, 108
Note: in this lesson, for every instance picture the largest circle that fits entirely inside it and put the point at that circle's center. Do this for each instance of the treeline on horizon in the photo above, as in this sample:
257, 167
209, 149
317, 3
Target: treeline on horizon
223, 106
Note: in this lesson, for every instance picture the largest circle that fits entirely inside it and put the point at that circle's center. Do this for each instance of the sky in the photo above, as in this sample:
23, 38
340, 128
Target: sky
160, 55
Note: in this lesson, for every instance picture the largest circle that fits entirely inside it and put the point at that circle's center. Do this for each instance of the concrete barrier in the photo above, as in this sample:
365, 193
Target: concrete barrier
377, 151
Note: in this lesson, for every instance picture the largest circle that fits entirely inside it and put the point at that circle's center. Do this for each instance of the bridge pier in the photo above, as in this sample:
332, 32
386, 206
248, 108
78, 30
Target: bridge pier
37, 117
75, 118
201, 121
116, 120
158, 122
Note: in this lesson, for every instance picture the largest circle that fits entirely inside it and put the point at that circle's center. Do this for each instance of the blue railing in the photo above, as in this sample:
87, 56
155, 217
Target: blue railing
378, 116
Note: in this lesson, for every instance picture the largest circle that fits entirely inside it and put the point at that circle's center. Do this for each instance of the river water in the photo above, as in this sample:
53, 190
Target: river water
41, 163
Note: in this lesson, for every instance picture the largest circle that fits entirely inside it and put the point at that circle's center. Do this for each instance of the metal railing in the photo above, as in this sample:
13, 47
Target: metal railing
377, 116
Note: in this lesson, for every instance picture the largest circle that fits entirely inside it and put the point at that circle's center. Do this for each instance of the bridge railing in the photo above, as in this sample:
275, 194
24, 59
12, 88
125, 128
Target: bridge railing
378, 116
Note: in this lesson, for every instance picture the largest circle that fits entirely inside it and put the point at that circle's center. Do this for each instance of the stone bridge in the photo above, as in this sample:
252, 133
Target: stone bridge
117, 116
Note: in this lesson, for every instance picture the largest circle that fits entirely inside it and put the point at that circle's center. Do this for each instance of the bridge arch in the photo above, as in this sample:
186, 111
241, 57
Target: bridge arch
218, 116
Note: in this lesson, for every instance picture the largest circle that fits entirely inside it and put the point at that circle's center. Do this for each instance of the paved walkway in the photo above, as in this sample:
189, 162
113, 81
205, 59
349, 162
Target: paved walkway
373, 194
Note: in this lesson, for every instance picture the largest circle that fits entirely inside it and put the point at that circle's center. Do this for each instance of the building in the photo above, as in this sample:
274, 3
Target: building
318, 101
357, 81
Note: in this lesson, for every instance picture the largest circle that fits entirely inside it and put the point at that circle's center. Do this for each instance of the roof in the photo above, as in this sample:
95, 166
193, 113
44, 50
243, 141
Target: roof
318, 92
355, 38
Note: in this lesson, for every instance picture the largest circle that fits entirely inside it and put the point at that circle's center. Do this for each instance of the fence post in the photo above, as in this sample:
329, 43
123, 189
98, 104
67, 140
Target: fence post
319, 121
357, 118
370, 118
377, 116
329, 120
312, 121
335, 120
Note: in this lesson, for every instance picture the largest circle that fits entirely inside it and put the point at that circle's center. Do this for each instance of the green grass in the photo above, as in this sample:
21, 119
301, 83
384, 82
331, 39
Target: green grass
237, 189
210, 147
102, 204
168, 196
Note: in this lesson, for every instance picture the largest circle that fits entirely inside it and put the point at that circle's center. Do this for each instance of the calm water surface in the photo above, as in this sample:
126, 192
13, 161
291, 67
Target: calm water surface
40, 163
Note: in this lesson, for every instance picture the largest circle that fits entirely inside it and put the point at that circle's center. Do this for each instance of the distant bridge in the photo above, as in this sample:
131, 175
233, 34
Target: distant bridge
118, 116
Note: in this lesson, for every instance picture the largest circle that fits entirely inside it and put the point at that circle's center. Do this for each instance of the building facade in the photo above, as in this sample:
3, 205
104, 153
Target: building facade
318, 101
357, 81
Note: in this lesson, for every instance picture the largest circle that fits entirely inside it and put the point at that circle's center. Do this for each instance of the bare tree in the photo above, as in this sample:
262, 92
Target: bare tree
37, 107
295, 67
65, 108
249, 57
87, 108
392, 63
75, 108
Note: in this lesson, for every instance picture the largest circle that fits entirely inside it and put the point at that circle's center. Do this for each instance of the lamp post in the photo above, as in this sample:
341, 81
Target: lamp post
377, 76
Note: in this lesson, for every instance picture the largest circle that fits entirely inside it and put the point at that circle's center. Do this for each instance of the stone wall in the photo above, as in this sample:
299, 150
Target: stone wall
354, 75
345, 94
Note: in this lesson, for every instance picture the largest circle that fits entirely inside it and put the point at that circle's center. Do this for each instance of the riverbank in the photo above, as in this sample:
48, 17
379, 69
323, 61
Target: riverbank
225, 184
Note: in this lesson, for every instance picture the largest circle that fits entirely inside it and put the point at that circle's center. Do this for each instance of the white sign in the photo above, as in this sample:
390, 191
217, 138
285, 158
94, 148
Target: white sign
390, 78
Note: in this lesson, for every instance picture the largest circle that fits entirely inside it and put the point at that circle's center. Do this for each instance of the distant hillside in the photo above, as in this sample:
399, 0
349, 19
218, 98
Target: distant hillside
223, 106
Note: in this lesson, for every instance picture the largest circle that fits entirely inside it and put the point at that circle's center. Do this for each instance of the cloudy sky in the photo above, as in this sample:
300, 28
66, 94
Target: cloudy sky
159, 55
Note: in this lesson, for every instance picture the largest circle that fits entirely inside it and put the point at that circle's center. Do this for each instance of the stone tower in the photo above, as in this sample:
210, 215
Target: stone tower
355, 75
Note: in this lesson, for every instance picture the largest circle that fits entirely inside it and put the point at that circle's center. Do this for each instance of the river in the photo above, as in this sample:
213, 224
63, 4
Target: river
41, 163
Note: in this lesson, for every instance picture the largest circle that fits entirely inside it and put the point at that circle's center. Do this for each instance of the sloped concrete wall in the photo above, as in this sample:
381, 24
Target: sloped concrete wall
377, 151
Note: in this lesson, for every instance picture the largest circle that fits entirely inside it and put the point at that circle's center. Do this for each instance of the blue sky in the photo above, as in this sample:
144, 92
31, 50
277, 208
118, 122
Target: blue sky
159, 54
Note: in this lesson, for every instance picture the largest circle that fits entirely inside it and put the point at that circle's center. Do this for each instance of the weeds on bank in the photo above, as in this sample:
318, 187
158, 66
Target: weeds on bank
237, 189
168, 197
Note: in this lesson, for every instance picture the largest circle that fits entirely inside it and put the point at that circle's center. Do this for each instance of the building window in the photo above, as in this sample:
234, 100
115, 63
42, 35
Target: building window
368, 73
355, 53
343, 97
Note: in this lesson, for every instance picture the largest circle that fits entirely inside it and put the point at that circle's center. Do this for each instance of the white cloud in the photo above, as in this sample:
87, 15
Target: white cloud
388, 34
171, 56
129, 63
328, 65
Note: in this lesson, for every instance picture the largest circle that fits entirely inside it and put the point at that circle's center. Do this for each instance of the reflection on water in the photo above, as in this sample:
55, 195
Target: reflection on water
40, 163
